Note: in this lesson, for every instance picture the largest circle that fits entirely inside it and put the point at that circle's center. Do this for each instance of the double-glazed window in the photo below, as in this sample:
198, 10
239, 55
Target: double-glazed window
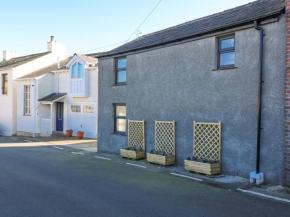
120, 118
4, 83
27, 101
226, 52
121, 73
77, 70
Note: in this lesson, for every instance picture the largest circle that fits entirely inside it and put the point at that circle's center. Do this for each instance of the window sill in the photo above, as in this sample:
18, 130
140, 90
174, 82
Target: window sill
117, 85
119, 134
226, 68
27, 116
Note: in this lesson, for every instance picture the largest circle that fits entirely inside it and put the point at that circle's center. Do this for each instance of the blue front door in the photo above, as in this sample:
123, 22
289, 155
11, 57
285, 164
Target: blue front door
59, 116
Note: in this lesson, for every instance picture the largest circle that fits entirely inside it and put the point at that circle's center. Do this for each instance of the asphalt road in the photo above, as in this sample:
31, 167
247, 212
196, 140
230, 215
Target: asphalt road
44, 181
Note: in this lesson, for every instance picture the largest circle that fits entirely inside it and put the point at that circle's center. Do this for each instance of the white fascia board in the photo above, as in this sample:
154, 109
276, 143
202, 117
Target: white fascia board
74, 59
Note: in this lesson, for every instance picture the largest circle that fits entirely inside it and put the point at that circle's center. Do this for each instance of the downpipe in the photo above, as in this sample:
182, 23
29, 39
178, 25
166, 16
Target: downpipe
256, 176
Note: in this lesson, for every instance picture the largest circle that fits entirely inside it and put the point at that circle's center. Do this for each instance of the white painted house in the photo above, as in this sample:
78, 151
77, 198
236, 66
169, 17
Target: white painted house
13, 67
59, 97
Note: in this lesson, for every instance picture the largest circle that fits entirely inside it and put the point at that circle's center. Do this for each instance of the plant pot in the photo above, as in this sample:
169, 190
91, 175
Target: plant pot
80, 134
69, 133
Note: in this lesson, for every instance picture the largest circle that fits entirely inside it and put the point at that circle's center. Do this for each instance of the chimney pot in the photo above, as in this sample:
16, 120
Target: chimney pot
51, 38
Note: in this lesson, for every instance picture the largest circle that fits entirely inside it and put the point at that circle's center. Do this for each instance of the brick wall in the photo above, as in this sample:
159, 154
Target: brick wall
287, 98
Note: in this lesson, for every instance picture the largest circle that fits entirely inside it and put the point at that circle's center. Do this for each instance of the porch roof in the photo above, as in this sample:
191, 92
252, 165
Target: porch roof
52, 97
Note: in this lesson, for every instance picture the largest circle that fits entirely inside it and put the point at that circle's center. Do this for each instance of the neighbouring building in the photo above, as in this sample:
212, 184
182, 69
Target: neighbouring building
206, 70
58, 97
13, 67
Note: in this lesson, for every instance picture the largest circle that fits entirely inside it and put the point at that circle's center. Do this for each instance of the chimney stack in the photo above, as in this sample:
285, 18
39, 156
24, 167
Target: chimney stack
7, 55
56, 47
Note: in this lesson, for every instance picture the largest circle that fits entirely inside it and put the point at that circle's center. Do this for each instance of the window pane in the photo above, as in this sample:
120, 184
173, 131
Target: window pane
121, 125
120, 110
122, 63
80, 70
121, 76
228, 43
74, 71
227, 59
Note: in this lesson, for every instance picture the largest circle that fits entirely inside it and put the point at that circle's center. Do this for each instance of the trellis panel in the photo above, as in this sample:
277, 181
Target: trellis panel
136, 133
165, 136
207, 140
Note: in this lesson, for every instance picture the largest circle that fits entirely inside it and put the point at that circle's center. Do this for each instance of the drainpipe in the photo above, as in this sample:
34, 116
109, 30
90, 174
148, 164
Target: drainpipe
256, 176
35, 109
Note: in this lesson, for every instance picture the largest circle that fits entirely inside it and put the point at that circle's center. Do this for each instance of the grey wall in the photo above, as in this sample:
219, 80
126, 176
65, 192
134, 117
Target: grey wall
179, 83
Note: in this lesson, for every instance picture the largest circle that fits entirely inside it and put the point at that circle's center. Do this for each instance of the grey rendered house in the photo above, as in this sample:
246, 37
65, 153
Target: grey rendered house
205, 70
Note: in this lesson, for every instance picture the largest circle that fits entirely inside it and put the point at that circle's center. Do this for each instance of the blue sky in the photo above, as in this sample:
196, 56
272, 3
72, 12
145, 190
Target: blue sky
84, 25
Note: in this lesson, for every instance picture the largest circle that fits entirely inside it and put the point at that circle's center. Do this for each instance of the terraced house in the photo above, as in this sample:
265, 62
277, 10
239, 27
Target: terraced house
13, 67
58, 97
228, 67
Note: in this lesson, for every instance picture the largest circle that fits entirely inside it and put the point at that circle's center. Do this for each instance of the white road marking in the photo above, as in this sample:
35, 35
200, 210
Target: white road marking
189, 177
136, 165
58, 147
104, 158
264, 195
13, 138
79, 153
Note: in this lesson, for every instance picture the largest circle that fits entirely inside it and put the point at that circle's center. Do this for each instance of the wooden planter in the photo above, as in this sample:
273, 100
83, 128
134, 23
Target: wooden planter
204, 168
136, 155
159, 159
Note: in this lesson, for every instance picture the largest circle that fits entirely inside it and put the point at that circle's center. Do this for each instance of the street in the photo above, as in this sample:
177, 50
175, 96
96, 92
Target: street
40, 181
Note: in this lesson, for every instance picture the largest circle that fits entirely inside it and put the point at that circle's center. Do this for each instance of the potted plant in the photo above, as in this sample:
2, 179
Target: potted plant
80, 134
69, 133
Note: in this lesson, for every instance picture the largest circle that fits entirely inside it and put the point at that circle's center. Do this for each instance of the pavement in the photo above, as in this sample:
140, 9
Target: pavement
53, 178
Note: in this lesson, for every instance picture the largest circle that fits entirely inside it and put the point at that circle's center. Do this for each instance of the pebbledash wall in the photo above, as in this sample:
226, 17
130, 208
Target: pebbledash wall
180, 83
287, 97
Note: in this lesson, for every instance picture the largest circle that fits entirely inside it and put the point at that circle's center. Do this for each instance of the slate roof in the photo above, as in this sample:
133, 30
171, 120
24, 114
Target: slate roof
17, 61
96, 55
46, 70
52, 97
241, 15
87, 59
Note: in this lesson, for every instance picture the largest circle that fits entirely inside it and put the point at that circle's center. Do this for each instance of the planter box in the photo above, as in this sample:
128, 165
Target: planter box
136, 155
159, 159
205, 168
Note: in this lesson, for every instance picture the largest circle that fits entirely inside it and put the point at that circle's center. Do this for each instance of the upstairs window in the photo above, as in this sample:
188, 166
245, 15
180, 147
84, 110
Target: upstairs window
4, 84
120, 118
121, 73
77, 78
27, 97
77, 70
226, 52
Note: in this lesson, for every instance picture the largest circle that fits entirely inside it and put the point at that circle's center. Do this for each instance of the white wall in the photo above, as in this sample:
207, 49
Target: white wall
6, 106
25, 123
9, 103
64, 87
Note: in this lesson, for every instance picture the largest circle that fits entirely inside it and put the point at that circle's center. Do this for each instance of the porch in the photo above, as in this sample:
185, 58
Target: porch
47, 117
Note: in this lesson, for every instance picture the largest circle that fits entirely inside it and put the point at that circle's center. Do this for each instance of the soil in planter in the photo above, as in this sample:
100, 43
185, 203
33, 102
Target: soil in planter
137, 148
203, 160
162, 153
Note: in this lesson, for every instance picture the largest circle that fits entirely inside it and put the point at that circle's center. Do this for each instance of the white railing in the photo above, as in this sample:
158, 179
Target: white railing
46, 126
77, 85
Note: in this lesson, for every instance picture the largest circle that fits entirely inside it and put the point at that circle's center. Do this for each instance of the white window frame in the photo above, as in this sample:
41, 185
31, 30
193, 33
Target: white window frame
77, 84
76, 108
27, 100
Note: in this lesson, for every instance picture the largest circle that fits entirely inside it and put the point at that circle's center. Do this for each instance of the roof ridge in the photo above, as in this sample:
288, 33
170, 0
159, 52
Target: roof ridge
201, 18
241, 15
